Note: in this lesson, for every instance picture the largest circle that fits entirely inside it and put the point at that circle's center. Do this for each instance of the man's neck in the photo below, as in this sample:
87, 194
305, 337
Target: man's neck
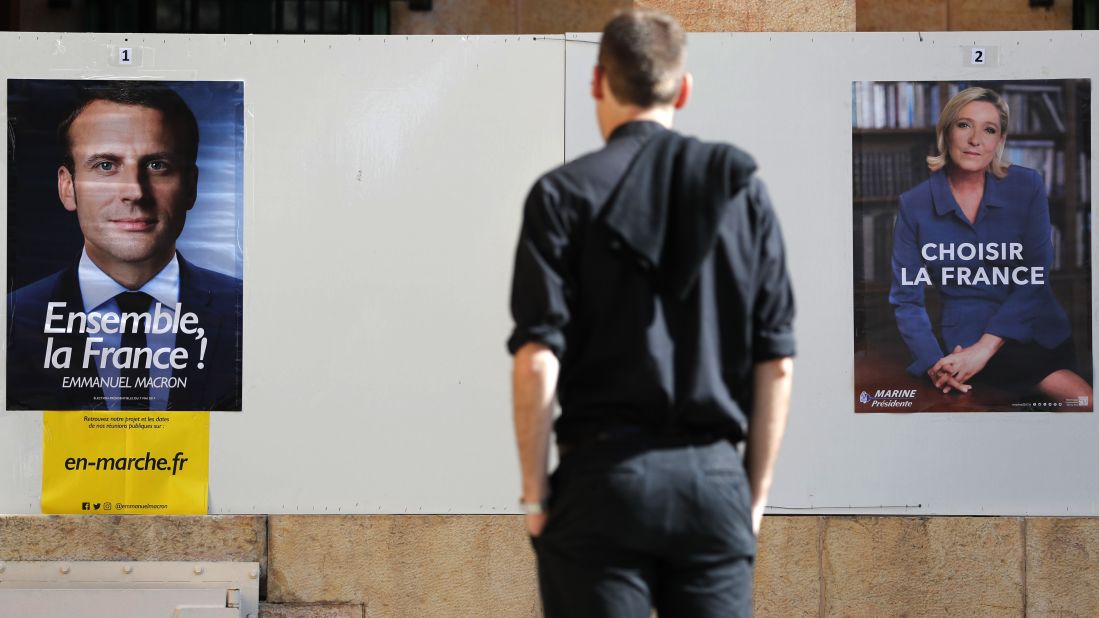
663, 116
131, 275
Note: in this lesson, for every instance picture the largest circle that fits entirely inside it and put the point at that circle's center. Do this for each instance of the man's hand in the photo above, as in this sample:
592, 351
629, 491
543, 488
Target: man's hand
534, 381
772, 381
535, 524
757, 515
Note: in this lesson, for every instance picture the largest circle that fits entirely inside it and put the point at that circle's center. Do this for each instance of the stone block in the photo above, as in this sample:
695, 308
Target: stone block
711, 15
1007, 15
405, 565
787, 578
455, 17
759, 15
168, 538
317, 558
804, 16
311, 610
557, 17
1062, 566
240, 538
923, 566
890, 16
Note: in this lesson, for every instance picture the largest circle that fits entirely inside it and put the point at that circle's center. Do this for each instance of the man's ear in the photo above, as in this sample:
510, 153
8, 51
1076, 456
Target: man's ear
194, 188
685, 88
597, 83
66, 189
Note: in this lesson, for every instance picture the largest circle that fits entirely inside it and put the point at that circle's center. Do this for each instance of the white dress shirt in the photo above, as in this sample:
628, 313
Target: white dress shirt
98, 292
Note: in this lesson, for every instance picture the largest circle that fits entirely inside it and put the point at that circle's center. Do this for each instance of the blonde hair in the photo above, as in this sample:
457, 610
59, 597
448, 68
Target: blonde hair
949, 115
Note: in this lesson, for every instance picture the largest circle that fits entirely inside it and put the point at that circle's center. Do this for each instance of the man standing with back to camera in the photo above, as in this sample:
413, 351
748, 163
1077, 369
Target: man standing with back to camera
650, 291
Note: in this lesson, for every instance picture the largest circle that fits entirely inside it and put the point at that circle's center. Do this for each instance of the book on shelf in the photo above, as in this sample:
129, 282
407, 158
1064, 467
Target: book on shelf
879, 106
1038, 155
884, 175
1083, 173
874, 237
1048, 158
1083, 236
1053, 113
1058, 173
894, 105
1055, 237
1034, 108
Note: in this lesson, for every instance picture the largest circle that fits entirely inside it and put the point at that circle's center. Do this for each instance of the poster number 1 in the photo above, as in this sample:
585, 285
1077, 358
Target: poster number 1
125, 55
977, 55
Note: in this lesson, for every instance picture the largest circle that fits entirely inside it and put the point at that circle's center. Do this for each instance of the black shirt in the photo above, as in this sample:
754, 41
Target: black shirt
632, 352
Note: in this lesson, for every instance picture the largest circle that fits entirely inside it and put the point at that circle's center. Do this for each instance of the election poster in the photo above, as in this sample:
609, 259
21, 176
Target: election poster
972, 239
151, 463
125, 236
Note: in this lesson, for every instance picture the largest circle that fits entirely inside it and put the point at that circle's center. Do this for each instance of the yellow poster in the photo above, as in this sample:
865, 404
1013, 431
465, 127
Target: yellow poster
154, 463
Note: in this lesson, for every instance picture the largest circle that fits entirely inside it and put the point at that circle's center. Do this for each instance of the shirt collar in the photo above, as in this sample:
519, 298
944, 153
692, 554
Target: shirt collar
97, 287
635, 128
944, 198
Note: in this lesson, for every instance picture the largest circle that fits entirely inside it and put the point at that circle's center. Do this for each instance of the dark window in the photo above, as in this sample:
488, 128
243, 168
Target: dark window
239, 16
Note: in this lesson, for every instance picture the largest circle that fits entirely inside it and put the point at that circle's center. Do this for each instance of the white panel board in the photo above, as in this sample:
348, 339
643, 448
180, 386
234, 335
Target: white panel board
384, 178
786, 98
384, 183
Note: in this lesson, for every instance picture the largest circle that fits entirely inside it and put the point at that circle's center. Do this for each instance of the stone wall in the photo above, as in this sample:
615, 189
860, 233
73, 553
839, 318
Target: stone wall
539, 16
382, 566
759, 15
942, 15
558, 16
545, 16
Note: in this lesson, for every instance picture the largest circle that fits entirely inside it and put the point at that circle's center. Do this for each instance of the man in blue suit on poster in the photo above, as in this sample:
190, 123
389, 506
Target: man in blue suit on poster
131, 325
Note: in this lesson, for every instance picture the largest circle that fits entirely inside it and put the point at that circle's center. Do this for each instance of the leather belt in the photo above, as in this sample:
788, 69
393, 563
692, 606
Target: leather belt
642, 437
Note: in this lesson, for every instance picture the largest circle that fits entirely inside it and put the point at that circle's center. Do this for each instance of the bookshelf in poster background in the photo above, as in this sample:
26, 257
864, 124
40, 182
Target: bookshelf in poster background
902, 116
1035, 108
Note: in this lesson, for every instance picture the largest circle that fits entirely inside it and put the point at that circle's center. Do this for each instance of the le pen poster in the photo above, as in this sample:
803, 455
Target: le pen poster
125, 245
972, 246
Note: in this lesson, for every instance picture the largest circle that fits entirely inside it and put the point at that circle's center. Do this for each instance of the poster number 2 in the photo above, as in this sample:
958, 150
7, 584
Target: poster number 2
125, 55
977, 55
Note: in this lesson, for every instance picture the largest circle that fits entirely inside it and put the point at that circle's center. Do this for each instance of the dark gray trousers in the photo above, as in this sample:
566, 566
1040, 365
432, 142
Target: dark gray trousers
635, 526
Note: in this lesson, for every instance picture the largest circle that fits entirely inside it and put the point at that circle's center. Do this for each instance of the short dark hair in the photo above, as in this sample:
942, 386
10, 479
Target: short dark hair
153, 95
643, 54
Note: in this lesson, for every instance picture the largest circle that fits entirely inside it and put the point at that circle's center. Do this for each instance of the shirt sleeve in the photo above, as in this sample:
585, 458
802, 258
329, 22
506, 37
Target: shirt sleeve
539, 287
773, 308
908, 299
1015, 319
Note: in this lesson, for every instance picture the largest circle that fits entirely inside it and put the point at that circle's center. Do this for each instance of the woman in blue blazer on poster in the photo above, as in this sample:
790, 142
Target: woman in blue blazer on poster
979, 231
